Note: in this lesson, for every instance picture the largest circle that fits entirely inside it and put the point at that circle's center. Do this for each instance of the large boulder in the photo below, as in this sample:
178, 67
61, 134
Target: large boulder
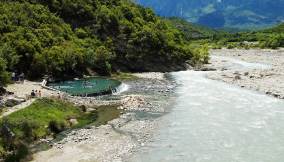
2, 104
13, 102
2, 91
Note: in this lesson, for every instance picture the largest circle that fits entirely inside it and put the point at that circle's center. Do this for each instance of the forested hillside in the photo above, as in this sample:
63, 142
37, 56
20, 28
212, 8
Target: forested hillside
72, 37
192, 31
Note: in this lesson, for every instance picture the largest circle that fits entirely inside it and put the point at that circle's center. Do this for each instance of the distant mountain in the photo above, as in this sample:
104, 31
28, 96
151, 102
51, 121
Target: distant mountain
222, 13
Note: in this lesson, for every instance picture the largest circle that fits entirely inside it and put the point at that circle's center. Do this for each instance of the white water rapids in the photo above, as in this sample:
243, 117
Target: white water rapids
212, 121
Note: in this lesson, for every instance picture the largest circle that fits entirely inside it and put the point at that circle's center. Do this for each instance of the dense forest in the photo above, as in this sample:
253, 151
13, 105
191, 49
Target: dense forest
73, 37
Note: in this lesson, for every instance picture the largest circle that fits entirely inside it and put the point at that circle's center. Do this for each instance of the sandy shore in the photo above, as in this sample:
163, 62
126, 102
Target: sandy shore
116, 140
266, 74
22, 90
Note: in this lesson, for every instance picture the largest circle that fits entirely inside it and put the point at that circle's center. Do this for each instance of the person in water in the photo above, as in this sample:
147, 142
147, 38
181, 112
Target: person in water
85, 83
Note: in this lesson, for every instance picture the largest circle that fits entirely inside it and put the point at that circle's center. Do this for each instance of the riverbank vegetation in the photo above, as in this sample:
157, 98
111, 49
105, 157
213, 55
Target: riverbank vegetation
267, 38
197, 35
44, 118
68, 38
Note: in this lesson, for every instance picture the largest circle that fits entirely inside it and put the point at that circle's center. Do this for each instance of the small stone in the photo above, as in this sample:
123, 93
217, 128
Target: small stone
238, 77
73, 122
236, 73
276, 95
268, 92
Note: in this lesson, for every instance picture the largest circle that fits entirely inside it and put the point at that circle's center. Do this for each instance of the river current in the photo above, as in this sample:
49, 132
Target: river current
211, 121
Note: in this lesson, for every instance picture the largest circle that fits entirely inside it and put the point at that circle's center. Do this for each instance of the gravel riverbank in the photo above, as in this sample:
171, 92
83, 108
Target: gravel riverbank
266, 74
143, 103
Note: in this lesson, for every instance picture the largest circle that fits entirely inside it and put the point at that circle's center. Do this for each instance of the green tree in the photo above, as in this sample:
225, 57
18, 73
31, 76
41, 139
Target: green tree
4, 75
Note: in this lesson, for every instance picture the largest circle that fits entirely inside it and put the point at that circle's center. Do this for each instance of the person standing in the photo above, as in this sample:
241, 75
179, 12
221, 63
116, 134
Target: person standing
22, 78
13, 76
39, 93
36, 93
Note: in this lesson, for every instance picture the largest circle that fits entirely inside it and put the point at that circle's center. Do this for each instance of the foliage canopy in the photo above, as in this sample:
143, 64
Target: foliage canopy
67, 37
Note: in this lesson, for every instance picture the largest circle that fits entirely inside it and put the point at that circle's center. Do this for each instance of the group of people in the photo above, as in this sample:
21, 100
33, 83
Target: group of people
36, 93
19, 78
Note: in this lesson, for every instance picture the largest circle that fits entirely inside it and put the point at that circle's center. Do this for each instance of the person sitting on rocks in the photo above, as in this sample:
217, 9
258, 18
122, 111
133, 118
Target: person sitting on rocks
33, 94
59, 96
36, 93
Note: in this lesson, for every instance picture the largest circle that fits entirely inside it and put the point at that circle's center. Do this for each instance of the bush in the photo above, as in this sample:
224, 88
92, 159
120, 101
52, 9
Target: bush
4, 75
200, 55
83, 108
56, 127
21, 153
230, 46
28, 128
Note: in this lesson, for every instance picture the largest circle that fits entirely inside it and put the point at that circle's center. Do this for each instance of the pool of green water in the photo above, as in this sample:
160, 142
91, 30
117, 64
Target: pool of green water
87, 87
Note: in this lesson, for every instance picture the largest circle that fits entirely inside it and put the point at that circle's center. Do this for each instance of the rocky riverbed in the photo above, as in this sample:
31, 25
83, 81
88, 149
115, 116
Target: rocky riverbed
148, 98
266, 74
143, 103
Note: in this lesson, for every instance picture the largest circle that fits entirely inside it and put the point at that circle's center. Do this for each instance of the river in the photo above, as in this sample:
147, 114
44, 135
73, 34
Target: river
211, 121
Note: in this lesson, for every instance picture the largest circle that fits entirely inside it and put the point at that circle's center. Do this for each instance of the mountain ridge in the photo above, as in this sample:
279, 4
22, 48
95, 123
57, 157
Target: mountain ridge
221, 13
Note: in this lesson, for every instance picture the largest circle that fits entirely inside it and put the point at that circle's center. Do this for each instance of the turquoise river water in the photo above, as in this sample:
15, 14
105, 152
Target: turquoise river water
89, 86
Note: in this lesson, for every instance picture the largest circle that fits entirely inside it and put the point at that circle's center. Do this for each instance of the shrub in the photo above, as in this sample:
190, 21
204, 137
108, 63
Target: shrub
83, 108
56, 127
28, 128
21, 153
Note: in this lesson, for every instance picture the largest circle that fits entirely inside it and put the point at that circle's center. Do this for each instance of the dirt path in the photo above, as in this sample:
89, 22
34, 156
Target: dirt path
17, 108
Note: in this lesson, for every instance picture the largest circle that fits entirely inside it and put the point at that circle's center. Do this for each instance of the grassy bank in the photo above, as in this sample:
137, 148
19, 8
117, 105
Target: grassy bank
45, 117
